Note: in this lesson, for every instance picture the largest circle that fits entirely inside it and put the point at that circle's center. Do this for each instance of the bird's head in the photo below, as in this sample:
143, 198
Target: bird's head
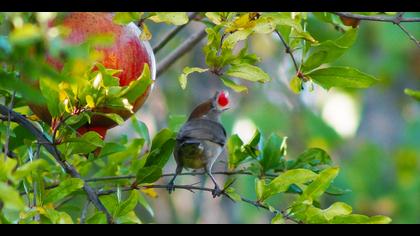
213, 107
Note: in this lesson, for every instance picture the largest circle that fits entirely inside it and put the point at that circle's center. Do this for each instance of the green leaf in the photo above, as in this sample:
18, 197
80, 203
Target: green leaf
57, 217
137, 87
413, 93
336, 191
111, 148
65, 188
162, 137
282, 182
97, 218
312, 159
215, 17
230, 41
175, 18
235, 154
187, 71
128, 205
337, 209
324, 16
6, 168
278, 219
264, 25
296, 85
234, 86
233, 194
141, 128
329, 50
112, 116
260, 188
28, 92
124, 18
345, 77
28, 168
89, 142
319, 185
248, 72
148, 174
130, 218
360, 219
50, 92
271, 156
11, 198
160, 156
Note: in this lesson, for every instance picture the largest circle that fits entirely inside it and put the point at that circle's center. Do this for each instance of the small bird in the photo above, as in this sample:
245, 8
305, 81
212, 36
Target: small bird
202, 138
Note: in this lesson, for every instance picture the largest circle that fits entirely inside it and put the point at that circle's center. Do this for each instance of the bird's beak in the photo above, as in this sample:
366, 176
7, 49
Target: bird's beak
225, 109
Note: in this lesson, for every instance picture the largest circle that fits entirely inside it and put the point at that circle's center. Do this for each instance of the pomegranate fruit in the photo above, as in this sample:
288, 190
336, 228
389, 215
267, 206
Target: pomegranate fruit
127, 53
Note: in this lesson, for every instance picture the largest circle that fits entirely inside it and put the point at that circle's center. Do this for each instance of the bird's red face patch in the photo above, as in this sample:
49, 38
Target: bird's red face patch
223, 99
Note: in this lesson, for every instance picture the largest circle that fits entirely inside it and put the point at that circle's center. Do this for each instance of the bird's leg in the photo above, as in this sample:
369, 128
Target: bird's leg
216, 191
171, 185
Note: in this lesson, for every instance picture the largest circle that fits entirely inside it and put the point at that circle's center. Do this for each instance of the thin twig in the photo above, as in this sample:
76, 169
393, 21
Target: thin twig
288, 51
52, 149
172, 34
397, 20
409, 35
186, 46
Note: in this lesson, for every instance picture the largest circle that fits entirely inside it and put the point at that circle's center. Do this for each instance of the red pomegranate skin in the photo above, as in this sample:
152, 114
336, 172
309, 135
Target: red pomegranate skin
127, 53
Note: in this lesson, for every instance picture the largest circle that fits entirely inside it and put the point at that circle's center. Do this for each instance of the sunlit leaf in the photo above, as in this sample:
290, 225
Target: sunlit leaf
248, 72
11, 198
413, 93
175, 18
187, 71
65, 188
124, 18
284, 180
345, 77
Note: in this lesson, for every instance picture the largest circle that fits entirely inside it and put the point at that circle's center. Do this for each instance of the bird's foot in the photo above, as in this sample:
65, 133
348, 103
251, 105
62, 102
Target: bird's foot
171, 187
216, 192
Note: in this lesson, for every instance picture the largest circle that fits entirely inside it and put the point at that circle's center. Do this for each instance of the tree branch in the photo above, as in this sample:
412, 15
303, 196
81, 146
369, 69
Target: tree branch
191, 188
376, 18
228, 173
288, 51
397, 20
186, 46
172, 34
51, 148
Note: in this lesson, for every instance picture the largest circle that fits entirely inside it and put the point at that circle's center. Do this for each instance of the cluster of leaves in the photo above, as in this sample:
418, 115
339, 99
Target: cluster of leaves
308, 176
226, 30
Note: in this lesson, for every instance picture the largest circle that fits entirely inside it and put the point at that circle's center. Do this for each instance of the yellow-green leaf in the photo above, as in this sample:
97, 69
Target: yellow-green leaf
296, 85
248, 72
187, 71
231, 84
175, 18
11, 198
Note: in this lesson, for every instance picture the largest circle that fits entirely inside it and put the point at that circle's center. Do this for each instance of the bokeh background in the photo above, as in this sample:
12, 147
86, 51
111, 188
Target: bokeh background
373, 134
